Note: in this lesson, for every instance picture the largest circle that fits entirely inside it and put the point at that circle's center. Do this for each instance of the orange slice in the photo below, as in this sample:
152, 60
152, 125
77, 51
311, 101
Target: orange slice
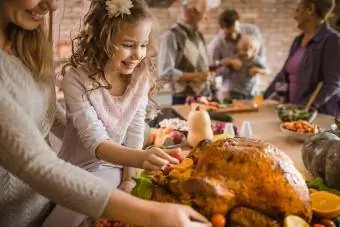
325, 204
312, 190
187, 163
295, 221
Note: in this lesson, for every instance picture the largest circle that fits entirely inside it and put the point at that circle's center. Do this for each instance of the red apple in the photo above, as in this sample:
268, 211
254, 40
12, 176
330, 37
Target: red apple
178, 155
167, 170
177, 137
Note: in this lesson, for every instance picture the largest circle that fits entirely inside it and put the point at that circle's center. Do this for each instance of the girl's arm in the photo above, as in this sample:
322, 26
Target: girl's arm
135, 139
93, 134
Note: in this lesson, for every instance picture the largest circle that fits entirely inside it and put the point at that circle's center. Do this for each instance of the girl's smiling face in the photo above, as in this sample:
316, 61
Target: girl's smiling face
131, 46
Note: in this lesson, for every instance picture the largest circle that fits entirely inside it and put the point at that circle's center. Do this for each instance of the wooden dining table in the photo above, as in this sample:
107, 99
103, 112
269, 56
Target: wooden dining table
266, 126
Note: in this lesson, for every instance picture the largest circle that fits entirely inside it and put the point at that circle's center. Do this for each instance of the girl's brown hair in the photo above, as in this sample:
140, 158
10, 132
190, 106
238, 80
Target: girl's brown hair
33, 48
93, 46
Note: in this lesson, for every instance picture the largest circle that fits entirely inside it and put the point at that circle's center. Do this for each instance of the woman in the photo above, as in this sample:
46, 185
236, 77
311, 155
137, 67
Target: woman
30, 173
314, 57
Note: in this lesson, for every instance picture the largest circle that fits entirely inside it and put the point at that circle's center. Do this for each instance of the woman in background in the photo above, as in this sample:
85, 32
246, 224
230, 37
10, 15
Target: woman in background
313, 58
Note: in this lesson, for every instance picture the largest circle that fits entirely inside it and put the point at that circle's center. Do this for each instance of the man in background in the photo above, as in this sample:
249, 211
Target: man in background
223, 46
183, 58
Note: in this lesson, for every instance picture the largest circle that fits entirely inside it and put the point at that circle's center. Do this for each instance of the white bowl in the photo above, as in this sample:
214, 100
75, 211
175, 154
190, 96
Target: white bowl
296, 135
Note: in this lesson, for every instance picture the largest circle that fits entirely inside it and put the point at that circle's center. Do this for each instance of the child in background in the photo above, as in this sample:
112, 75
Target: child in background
244, 81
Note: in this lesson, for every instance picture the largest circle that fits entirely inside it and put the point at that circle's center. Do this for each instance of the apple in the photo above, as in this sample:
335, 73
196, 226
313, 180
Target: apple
178, 155
167, 169
177, 137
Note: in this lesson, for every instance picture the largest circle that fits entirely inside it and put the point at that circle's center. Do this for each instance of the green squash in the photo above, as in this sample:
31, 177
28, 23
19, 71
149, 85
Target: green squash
321, 157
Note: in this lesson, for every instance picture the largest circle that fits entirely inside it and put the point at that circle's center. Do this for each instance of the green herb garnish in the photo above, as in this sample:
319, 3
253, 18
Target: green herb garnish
144, 186
319, 185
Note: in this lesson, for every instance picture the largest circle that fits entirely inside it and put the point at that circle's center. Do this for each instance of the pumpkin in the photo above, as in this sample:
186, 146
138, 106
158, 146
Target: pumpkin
199, 127
321, 157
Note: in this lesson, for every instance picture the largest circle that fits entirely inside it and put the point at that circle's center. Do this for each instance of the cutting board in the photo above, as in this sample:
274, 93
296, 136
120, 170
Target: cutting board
239, 106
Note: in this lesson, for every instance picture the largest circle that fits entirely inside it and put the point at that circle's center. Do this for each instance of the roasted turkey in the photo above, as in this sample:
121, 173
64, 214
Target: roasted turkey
250, 181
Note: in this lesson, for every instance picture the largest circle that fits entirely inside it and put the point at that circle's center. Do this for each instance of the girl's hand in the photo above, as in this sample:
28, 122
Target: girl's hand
154, 158
127, 185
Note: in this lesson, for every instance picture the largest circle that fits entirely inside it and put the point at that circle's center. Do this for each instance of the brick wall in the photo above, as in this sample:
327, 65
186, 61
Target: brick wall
274, 17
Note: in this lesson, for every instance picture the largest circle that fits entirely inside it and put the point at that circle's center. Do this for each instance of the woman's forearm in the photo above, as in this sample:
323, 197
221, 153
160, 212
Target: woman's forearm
117, 154
128, 209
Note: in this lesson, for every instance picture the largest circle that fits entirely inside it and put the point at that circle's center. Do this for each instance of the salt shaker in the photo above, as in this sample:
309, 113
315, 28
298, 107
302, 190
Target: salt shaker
229, 129
246, 130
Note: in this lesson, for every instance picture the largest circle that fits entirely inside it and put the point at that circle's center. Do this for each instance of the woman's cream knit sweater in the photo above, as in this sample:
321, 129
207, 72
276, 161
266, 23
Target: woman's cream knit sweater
31, 174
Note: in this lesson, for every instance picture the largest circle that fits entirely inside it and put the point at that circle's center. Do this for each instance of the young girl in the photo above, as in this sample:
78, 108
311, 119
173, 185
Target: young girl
106, 93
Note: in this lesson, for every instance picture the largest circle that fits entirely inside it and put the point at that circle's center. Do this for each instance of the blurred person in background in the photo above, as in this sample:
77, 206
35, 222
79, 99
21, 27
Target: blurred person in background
313, 58
183, 58
223, 46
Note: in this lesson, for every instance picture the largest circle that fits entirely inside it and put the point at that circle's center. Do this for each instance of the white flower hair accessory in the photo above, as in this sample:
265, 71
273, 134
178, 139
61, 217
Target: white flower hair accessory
116, 8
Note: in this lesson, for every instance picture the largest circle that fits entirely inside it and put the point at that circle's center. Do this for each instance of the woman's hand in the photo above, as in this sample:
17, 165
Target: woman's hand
154, 158
132, 210
174, 215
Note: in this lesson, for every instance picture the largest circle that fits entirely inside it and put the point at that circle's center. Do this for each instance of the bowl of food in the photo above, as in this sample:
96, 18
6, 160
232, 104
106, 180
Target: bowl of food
290, 112
300, 130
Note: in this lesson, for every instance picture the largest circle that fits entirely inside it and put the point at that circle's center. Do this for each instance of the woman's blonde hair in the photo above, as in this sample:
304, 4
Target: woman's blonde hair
94, 46
33, 48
